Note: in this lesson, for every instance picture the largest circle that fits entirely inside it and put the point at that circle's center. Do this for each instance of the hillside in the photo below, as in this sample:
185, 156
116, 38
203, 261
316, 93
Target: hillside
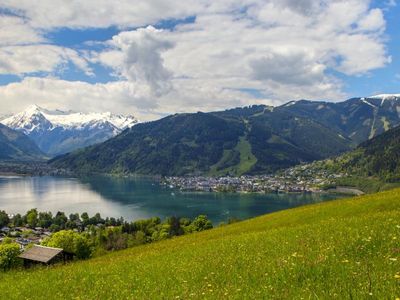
250, 140
238, 141
17, 146
359, 119
347, 248
379, 157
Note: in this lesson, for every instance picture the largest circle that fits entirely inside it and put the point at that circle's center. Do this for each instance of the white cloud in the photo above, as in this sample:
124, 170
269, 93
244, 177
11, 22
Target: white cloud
283, 49
17, 31
100, 13
140, 58
38, 58
373, 21
120, 96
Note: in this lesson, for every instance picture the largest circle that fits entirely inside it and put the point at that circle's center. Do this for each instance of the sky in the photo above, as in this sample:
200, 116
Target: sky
152, 58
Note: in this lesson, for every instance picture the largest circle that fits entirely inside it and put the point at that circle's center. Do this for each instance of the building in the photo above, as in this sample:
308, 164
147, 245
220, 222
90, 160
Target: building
44, 255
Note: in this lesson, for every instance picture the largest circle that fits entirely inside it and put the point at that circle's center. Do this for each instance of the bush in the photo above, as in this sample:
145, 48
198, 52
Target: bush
9, 253
71, 242
202, 223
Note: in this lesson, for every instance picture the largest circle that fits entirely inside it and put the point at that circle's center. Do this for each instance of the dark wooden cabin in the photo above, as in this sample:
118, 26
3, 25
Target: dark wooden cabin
44, 255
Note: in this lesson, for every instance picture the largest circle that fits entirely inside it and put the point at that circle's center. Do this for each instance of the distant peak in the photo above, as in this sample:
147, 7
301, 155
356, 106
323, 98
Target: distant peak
385, 96
33, 107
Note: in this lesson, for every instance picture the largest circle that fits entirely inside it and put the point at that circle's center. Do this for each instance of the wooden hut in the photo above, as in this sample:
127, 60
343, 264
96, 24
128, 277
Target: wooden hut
44, 255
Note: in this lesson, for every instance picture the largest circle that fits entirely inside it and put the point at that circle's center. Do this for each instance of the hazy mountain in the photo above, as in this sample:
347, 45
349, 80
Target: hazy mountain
57, 132
15, 145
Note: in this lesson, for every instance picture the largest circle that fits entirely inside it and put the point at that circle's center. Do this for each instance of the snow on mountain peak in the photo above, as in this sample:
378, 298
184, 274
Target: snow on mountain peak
385, 96
35, 118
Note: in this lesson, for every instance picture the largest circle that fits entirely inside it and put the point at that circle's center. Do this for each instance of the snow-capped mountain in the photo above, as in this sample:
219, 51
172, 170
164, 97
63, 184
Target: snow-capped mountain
57, 132
387, 96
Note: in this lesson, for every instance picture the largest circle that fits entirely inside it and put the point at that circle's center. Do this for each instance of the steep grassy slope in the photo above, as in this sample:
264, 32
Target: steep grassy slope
17, 146
344, 249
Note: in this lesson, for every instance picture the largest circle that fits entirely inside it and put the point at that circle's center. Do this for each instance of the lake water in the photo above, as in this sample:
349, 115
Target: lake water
137, 198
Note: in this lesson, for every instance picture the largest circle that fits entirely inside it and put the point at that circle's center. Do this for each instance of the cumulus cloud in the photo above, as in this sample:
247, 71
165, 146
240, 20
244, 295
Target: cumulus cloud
56, 93
17, 31
138, 58
284, 50
100, 13
24, 49
290, 68
20, 60
120, 97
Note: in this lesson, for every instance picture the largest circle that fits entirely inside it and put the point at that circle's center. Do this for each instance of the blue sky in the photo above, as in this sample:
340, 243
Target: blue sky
385, 79
155, 57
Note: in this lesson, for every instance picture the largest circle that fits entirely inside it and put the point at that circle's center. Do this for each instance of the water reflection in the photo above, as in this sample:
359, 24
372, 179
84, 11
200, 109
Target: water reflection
136, 198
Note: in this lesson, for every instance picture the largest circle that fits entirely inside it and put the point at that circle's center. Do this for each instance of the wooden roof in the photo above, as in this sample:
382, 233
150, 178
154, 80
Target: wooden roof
41, 253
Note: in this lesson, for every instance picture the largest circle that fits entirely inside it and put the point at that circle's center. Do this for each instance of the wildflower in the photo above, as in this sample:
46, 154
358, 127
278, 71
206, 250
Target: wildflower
397, 276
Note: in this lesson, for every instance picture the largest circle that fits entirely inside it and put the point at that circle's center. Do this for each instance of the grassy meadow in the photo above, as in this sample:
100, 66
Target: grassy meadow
343, 249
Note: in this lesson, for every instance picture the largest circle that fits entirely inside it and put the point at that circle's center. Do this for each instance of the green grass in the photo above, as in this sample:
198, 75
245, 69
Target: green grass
246, 160
344, 249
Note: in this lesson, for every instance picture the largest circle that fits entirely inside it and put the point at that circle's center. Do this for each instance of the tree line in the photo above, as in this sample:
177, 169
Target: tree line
86, 236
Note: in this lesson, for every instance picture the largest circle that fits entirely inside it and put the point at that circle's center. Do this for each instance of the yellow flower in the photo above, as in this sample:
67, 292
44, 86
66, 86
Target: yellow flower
397, 276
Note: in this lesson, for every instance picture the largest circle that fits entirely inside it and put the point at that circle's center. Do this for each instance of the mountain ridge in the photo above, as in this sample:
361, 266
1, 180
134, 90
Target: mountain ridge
15, 145
57, 132
237, 141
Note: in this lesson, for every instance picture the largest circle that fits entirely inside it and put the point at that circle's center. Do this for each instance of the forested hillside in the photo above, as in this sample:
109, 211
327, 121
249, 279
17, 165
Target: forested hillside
246, 140
17, 146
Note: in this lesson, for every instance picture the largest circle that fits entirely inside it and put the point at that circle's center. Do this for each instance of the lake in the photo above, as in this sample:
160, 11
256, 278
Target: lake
137, 198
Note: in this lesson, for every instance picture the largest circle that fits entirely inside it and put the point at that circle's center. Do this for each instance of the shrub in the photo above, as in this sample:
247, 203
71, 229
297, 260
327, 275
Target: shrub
9, 253
71, 242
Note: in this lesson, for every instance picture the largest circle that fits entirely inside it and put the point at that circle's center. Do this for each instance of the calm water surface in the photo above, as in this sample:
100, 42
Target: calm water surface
137, 198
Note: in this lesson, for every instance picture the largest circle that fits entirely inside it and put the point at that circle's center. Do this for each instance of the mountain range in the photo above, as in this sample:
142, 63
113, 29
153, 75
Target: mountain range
15, 145
359, 119
248, 140
57, 132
